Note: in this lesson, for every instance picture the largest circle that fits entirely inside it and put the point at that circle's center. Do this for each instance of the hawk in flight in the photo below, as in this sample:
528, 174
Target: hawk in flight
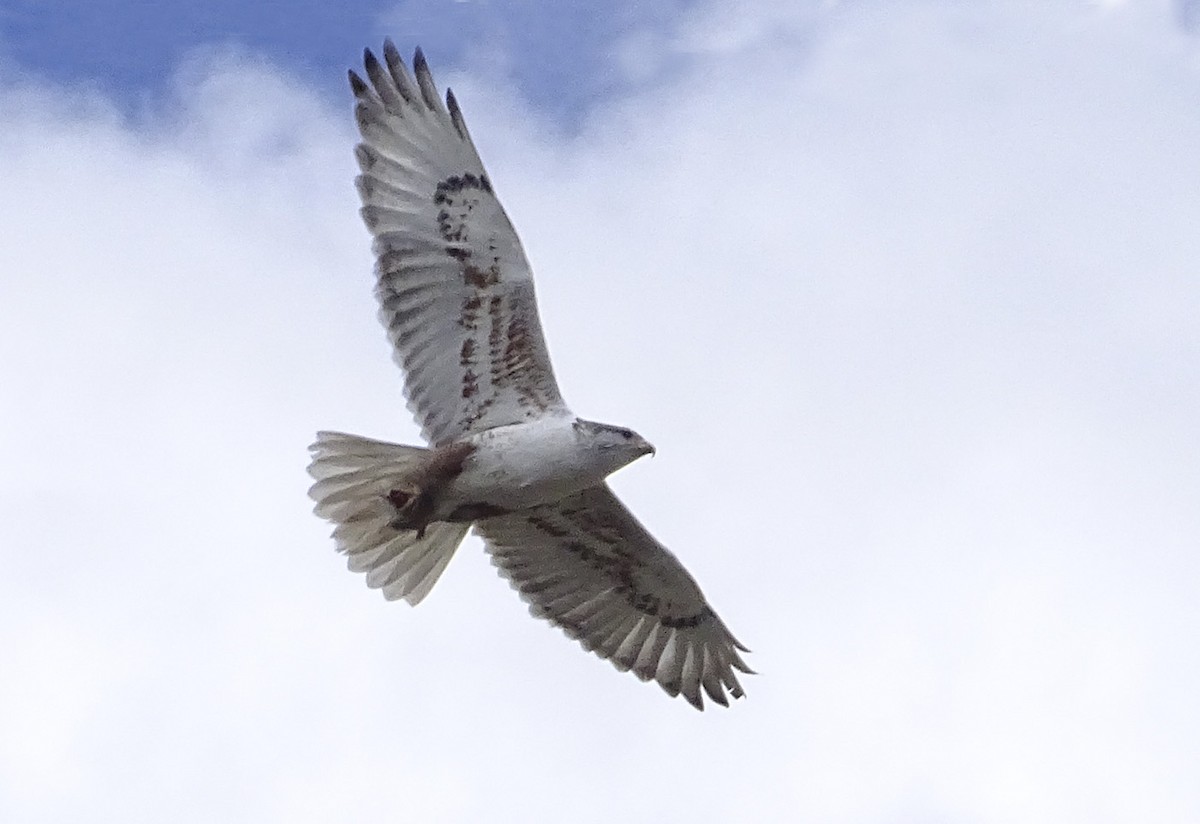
506, 455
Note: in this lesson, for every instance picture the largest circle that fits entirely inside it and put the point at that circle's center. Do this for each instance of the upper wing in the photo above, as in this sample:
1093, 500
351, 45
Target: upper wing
454, 287
587, 565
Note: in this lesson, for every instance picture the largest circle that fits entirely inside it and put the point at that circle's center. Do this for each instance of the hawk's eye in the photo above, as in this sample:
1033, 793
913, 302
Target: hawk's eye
626, 433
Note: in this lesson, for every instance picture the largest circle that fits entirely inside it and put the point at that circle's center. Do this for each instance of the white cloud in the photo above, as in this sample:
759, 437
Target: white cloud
910, 315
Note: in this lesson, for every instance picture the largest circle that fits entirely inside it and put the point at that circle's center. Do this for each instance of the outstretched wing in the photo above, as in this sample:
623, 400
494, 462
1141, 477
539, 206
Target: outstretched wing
587, 565
454, 287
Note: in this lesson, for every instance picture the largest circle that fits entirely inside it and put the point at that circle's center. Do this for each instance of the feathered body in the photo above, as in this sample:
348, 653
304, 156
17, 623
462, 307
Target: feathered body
524, 465
506, 454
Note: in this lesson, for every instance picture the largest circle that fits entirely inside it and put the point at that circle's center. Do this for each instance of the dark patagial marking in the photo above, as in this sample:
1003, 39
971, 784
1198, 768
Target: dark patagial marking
543, 525
620, 567
601, 524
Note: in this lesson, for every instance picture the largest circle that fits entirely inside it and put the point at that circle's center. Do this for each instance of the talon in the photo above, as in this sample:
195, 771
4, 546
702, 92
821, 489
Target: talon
403, 499
412, 505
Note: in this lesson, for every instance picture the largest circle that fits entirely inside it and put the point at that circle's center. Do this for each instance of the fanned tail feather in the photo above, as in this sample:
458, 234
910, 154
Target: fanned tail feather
353, 476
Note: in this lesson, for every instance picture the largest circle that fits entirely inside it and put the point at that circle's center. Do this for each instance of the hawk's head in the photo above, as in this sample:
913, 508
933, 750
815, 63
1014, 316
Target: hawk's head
614, 446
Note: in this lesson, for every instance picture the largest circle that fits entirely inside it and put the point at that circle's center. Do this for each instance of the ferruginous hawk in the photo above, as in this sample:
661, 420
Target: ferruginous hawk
506, 455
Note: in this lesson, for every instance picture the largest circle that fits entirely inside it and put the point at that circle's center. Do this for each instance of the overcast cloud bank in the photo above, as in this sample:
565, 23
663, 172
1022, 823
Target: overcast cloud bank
906, 296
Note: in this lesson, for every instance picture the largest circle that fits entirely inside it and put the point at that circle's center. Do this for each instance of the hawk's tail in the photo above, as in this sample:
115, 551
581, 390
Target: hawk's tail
353, 478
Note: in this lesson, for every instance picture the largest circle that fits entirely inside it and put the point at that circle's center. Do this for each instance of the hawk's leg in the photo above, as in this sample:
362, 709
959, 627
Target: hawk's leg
413, 506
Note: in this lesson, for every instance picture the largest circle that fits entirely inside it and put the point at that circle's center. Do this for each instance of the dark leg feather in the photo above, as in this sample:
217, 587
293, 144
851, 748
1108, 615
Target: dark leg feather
413, 508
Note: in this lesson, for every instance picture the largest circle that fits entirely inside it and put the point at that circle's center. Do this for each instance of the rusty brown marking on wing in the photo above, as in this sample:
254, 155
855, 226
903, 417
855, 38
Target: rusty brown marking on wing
587, 565
609, 552
480, 278
466, 359
467, 353
517, 357
469, 317
495, 329
516, 351
455, 289
470, 383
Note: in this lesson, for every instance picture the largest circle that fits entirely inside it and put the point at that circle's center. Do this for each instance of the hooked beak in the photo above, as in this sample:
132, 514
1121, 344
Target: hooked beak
648, 448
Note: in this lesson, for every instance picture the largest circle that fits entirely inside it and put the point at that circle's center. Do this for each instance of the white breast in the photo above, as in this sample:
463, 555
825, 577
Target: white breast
524, 465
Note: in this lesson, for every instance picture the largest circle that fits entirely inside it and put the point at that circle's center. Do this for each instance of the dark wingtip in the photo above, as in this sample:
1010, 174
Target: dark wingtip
395, 64
456, 116
369, 59
425, 81
356, 83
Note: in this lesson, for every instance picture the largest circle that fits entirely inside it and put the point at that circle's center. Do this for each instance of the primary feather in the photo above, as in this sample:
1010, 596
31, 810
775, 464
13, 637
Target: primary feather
455, 290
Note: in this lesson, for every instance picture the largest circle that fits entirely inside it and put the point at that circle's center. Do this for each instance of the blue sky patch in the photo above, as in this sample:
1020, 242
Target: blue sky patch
559, 54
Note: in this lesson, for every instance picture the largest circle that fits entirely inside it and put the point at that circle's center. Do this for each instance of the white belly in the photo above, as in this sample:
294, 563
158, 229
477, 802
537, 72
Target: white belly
523, 465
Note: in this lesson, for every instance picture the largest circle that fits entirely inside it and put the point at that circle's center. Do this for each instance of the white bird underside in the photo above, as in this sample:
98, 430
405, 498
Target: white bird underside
587, 565
456, 295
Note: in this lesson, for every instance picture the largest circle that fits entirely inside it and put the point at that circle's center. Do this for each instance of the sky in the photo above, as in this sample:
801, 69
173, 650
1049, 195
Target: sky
558, 51
904, 293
